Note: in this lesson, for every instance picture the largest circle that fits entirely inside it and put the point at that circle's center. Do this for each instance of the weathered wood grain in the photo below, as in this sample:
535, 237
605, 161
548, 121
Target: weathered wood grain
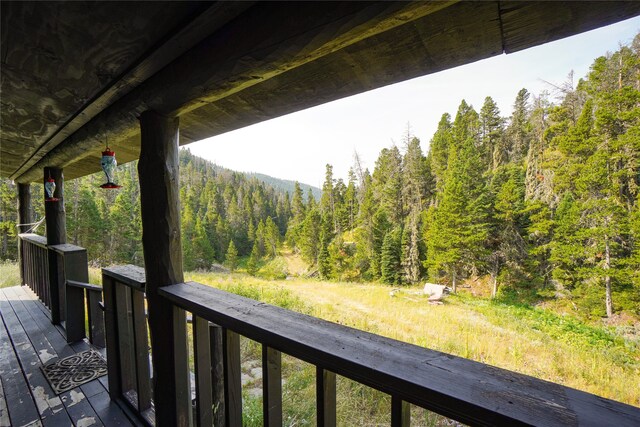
130, 275
217, 373
468, 391
16, 390
44, 90
49, 405
160, 212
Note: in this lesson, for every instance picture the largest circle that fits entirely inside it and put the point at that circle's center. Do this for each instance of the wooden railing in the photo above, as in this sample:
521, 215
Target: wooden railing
35, 266
78, 296
128, 358
58, 274
461, 389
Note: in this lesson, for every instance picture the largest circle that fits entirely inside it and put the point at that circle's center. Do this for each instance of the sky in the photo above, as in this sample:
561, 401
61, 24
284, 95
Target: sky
298, 146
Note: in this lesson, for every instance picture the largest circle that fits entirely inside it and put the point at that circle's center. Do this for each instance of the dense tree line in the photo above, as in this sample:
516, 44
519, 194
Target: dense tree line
546, 198
225, 215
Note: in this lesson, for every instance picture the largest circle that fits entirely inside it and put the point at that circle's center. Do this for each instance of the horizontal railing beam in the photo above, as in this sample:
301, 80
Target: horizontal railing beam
83, 285
34, 239
468, 391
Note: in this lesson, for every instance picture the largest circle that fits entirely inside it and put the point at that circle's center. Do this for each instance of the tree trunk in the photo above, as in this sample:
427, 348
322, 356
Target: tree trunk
607, 278
494, 287
454, 284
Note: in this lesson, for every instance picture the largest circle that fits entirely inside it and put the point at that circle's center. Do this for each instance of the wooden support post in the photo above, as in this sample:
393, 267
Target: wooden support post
55, 220
160, 209
325, 397
24, 217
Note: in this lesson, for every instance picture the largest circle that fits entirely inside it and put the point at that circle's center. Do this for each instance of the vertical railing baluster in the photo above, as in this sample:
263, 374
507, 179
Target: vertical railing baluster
325, 397
271, 387
202, 364
217, 373
74, 313
96, 318
141, 350
125, 338
181, 373
37, 273
111, 332
400, 412
232, 378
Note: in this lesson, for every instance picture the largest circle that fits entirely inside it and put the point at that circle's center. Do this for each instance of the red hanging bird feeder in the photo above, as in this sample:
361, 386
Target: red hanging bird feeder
50, 188
109, 165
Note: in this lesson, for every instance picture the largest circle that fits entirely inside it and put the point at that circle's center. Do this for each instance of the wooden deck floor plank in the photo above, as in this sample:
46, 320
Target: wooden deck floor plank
4, 411
20, 404
53, 335
49, 405
76, 400
109, 412
93, 387
79, 408
40, 343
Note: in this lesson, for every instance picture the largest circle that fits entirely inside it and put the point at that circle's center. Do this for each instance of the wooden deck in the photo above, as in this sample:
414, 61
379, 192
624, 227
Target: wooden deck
27, 341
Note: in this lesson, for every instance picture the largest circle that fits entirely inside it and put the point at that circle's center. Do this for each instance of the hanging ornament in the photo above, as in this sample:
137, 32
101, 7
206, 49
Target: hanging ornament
49, 188
109, 164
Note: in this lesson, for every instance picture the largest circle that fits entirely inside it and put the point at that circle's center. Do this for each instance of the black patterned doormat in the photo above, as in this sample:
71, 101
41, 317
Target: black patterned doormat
70, 372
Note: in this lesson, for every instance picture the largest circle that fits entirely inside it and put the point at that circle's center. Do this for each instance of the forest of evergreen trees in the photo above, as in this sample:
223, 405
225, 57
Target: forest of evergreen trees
547, 198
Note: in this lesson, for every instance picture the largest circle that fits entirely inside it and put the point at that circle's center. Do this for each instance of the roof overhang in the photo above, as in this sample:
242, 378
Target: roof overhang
77, 74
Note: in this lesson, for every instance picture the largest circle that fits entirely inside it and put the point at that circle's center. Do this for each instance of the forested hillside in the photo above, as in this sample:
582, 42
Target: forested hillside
546, 199
543, 202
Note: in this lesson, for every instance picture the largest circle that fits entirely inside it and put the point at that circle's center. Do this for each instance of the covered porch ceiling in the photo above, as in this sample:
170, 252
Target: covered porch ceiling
75, 75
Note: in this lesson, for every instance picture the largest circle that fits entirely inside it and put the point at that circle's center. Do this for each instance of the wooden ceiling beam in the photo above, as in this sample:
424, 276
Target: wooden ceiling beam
208, 19
246, 52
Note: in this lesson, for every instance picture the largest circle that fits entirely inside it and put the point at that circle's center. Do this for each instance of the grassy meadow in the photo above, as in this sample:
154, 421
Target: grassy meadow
599, 359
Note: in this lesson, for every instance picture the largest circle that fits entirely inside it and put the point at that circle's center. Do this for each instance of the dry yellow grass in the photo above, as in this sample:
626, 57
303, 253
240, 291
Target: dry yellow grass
529, 341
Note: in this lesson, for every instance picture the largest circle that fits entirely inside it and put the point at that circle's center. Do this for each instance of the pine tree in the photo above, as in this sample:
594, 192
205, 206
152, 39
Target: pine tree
231, 257
460, 223
410, 259
491, 132
439, 151
506, 244
252, 262
518, 133
390, 257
